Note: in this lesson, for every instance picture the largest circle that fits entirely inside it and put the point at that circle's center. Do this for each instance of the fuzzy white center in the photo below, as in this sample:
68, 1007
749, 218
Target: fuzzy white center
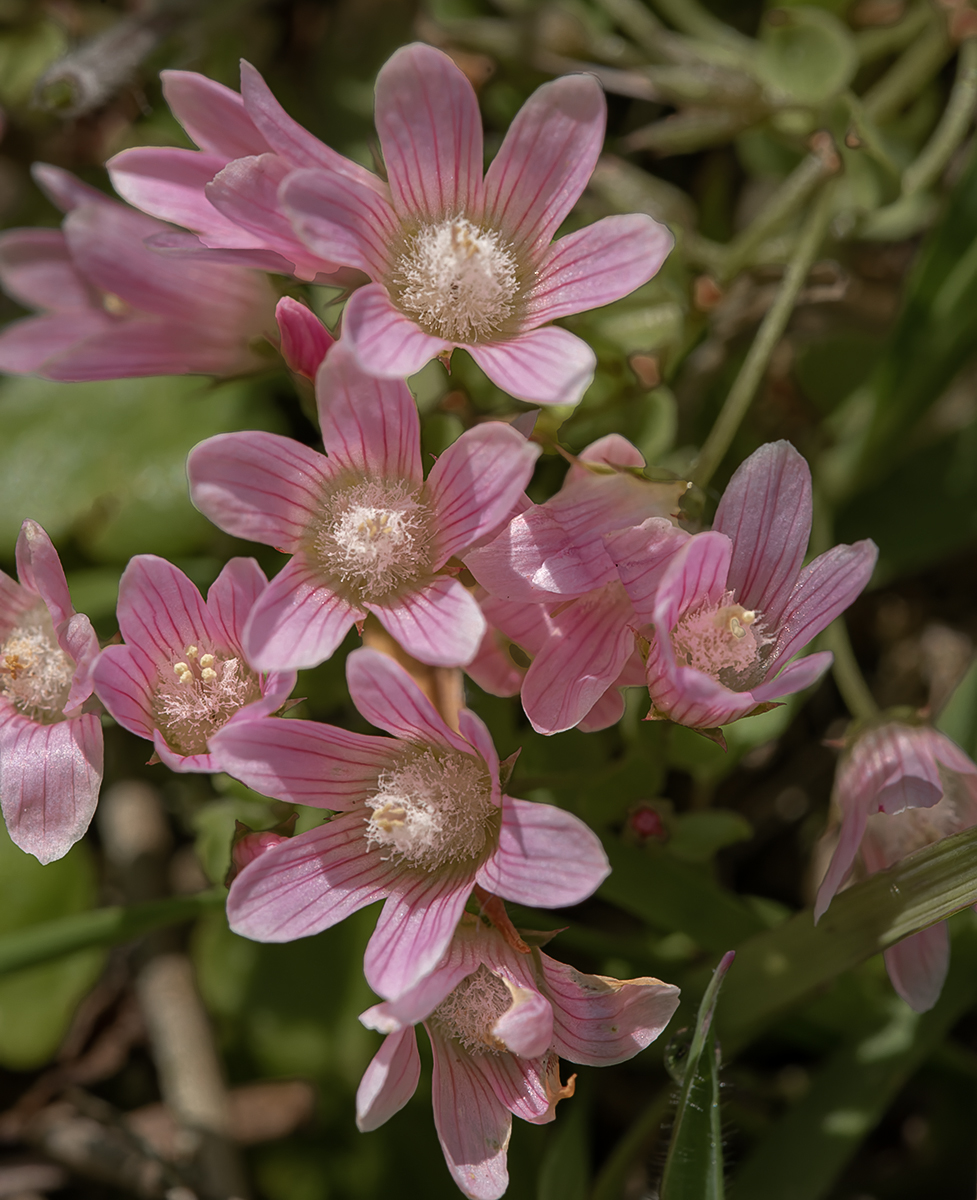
469, 1012
35, 673
457, 280
374, 537
722, 640
201, 694
433, 809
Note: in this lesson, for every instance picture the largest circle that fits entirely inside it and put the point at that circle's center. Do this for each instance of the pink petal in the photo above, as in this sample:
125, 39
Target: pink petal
213, 115
825, 588
340, 219
642, 554
27, 346
526, 1026
64, 190
473, 1126
389, 1081
795, 677
597, 265
600, 1021
304, 762
607, 711
388, 698
592, 641
232, 595
179, 244
534, 558
288, 138
462, 958
431, 135
386, 342
546, 159
475, 483
298, 622
689, 697
542, 366
440, 624
766, 511
126, 680
369, 426
308, 883
40, 571
259, 486
50, 780
521, 1084
14, 602
696, 575
305, 340
414, 929
78, 640
917, 966
850, 838
161, 611
611, 450
546, 857
474, 730
37, 270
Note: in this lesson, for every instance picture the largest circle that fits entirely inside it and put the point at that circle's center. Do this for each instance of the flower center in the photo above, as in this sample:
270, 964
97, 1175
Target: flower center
724, 641
35, 673
374, 537
458, 281
433, 809
469, 1012
202, 694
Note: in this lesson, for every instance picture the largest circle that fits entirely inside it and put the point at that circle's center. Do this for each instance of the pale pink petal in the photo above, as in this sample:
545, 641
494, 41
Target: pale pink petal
26, 346
369, 426
944, 751
473, 1125
593, 640
308, 883
918, 965
542, 366
161, 611
169, 184
37, 270
388, 698
474, 730
14, 602
600, 1021
126, 679
386, 342
593, 502
795, 677
546, 159
521, 1083
597, 265
852, 830
825, 588
611, 450
766, 511
607, 711
288, 138
304, 762
463, 957
305, 340
389, 1081
690, 697
78, 640
232, 595
260, 486
180, 244
696, 575
340, 220
534, 559
298, 622
49, 780
493, 668
440, 623
546, 857
526, 1027
66, 191
431, 135
414, 928
642, 554
39, 570
213, 115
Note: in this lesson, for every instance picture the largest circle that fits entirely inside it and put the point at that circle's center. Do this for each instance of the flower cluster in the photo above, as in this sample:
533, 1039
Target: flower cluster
603, 586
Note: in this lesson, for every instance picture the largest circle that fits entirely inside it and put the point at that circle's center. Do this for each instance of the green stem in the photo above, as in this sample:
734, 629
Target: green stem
873, 44
909, 74
768, 335
690, 17
847, 673
610, 1183
99, 927
952, 128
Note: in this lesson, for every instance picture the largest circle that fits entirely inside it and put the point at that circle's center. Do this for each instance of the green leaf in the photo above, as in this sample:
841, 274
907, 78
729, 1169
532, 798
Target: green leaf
807, 55
698, 836
958, 720
37, 1004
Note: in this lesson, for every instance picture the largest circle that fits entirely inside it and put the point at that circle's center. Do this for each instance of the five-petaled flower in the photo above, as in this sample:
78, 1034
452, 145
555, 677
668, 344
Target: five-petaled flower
422, 821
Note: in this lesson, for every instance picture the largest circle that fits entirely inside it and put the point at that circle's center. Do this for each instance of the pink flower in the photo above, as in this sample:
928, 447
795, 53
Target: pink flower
115, 309
226, 192
461, 262
554, 555
367, 532
901, 787
422, 821
50, 749
734, 605
499, 1022
305, 341
182, 673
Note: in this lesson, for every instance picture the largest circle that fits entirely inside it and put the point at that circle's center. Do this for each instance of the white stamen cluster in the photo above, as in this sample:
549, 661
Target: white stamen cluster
35, 673
457, 280
433, 809
202, 694
374, 537
468, 1013
723, 641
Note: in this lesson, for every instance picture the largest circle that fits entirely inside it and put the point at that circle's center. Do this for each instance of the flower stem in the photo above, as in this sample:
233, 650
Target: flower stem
909, 74
847, 673
952, 128
768, 335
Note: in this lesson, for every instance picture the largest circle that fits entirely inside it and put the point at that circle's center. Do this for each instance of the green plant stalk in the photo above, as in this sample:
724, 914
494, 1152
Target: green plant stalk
873, 44
744, 387
871, 138
952, 128
909, 74
690, 17
99, 927
847, 673
611, 1181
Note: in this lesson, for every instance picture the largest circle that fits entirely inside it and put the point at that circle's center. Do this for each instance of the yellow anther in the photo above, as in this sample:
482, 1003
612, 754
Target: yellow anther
390, 817
191, 651
207, 674
180, 668
186, 677
206, 660
115, 304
